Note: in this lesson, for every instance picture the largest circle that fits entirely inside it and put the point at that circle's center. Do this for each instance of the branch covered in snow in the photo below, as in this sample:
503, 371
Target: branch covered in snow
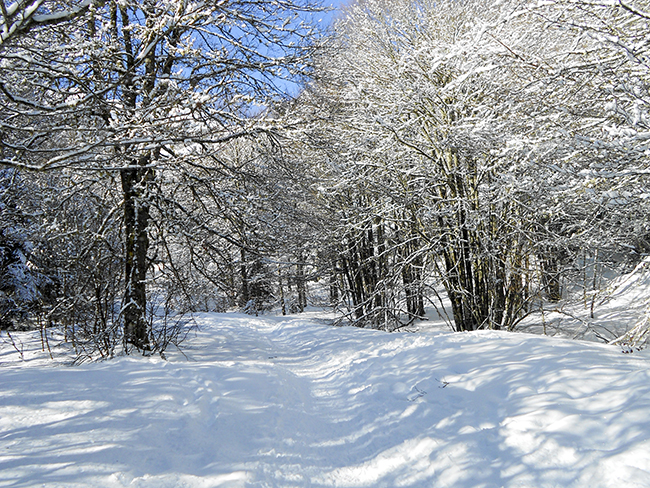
21, 16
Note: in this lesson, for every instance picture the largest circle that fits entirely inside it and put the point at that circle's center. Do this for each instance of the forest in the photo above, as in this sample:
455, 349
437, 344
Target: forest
482, 158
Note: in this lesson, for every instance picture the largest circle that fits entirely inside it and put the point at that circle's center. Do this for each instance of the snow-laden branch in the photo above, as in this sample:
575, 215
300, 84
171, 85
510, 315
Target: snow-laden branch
81, 157
19, 17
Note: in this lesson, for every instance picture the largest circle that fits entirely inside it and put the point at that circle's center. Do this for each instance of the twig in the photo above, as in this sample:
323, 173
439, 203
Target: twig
13, 343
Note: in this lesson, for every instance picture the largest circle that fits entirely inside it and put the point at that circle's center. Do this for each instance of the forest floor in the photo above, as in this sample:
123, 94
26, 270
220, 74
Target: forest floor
276, 401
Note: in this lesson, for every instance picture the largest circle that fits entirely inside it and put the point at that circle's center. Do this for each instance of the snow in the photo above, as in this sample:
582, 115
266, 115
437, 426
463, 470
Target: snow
290, 401
621, 303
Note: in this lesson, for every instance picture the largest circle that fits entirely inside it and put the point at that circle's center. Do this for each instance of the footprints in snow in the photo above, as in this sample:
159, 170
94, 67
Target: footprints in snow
412, 394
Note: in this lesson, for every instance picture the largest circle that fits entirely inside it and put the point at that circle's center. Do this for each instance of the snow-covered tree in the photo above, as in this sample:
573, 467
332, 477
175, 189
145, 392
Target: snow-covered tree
21, 284
612, 129
135, 88
19, 17
414, 176
463, 138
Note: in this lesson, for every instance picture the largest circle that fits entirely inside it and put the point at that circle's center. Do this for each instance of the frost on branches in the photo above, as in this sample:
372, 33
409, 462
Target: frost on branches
147, 91
470, 144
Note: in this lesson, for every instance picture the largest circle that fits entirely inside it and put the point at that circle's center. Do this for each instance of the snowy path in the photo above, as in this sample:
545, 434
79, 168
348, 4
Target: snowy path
283, 402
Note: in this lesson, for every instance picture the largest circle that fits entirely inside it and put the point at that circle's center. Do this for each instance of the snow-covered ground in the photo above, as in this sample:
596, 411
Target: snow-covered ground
601, 316
293, 402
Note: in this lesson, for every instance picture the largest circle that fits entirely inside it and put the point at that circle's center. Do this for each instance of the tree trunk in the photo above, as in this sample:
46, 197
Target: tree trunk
244, 296
334, 286
136, 245
281, 287
549, 263
300, 283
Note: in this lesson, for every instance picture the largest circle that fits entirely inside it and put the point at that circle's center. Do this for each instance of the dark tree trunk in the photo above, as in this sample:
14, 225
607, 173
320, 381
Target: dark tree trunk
300, 283
136, 245
411, 277
244, 297
551, 276
334, 286
281, 288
